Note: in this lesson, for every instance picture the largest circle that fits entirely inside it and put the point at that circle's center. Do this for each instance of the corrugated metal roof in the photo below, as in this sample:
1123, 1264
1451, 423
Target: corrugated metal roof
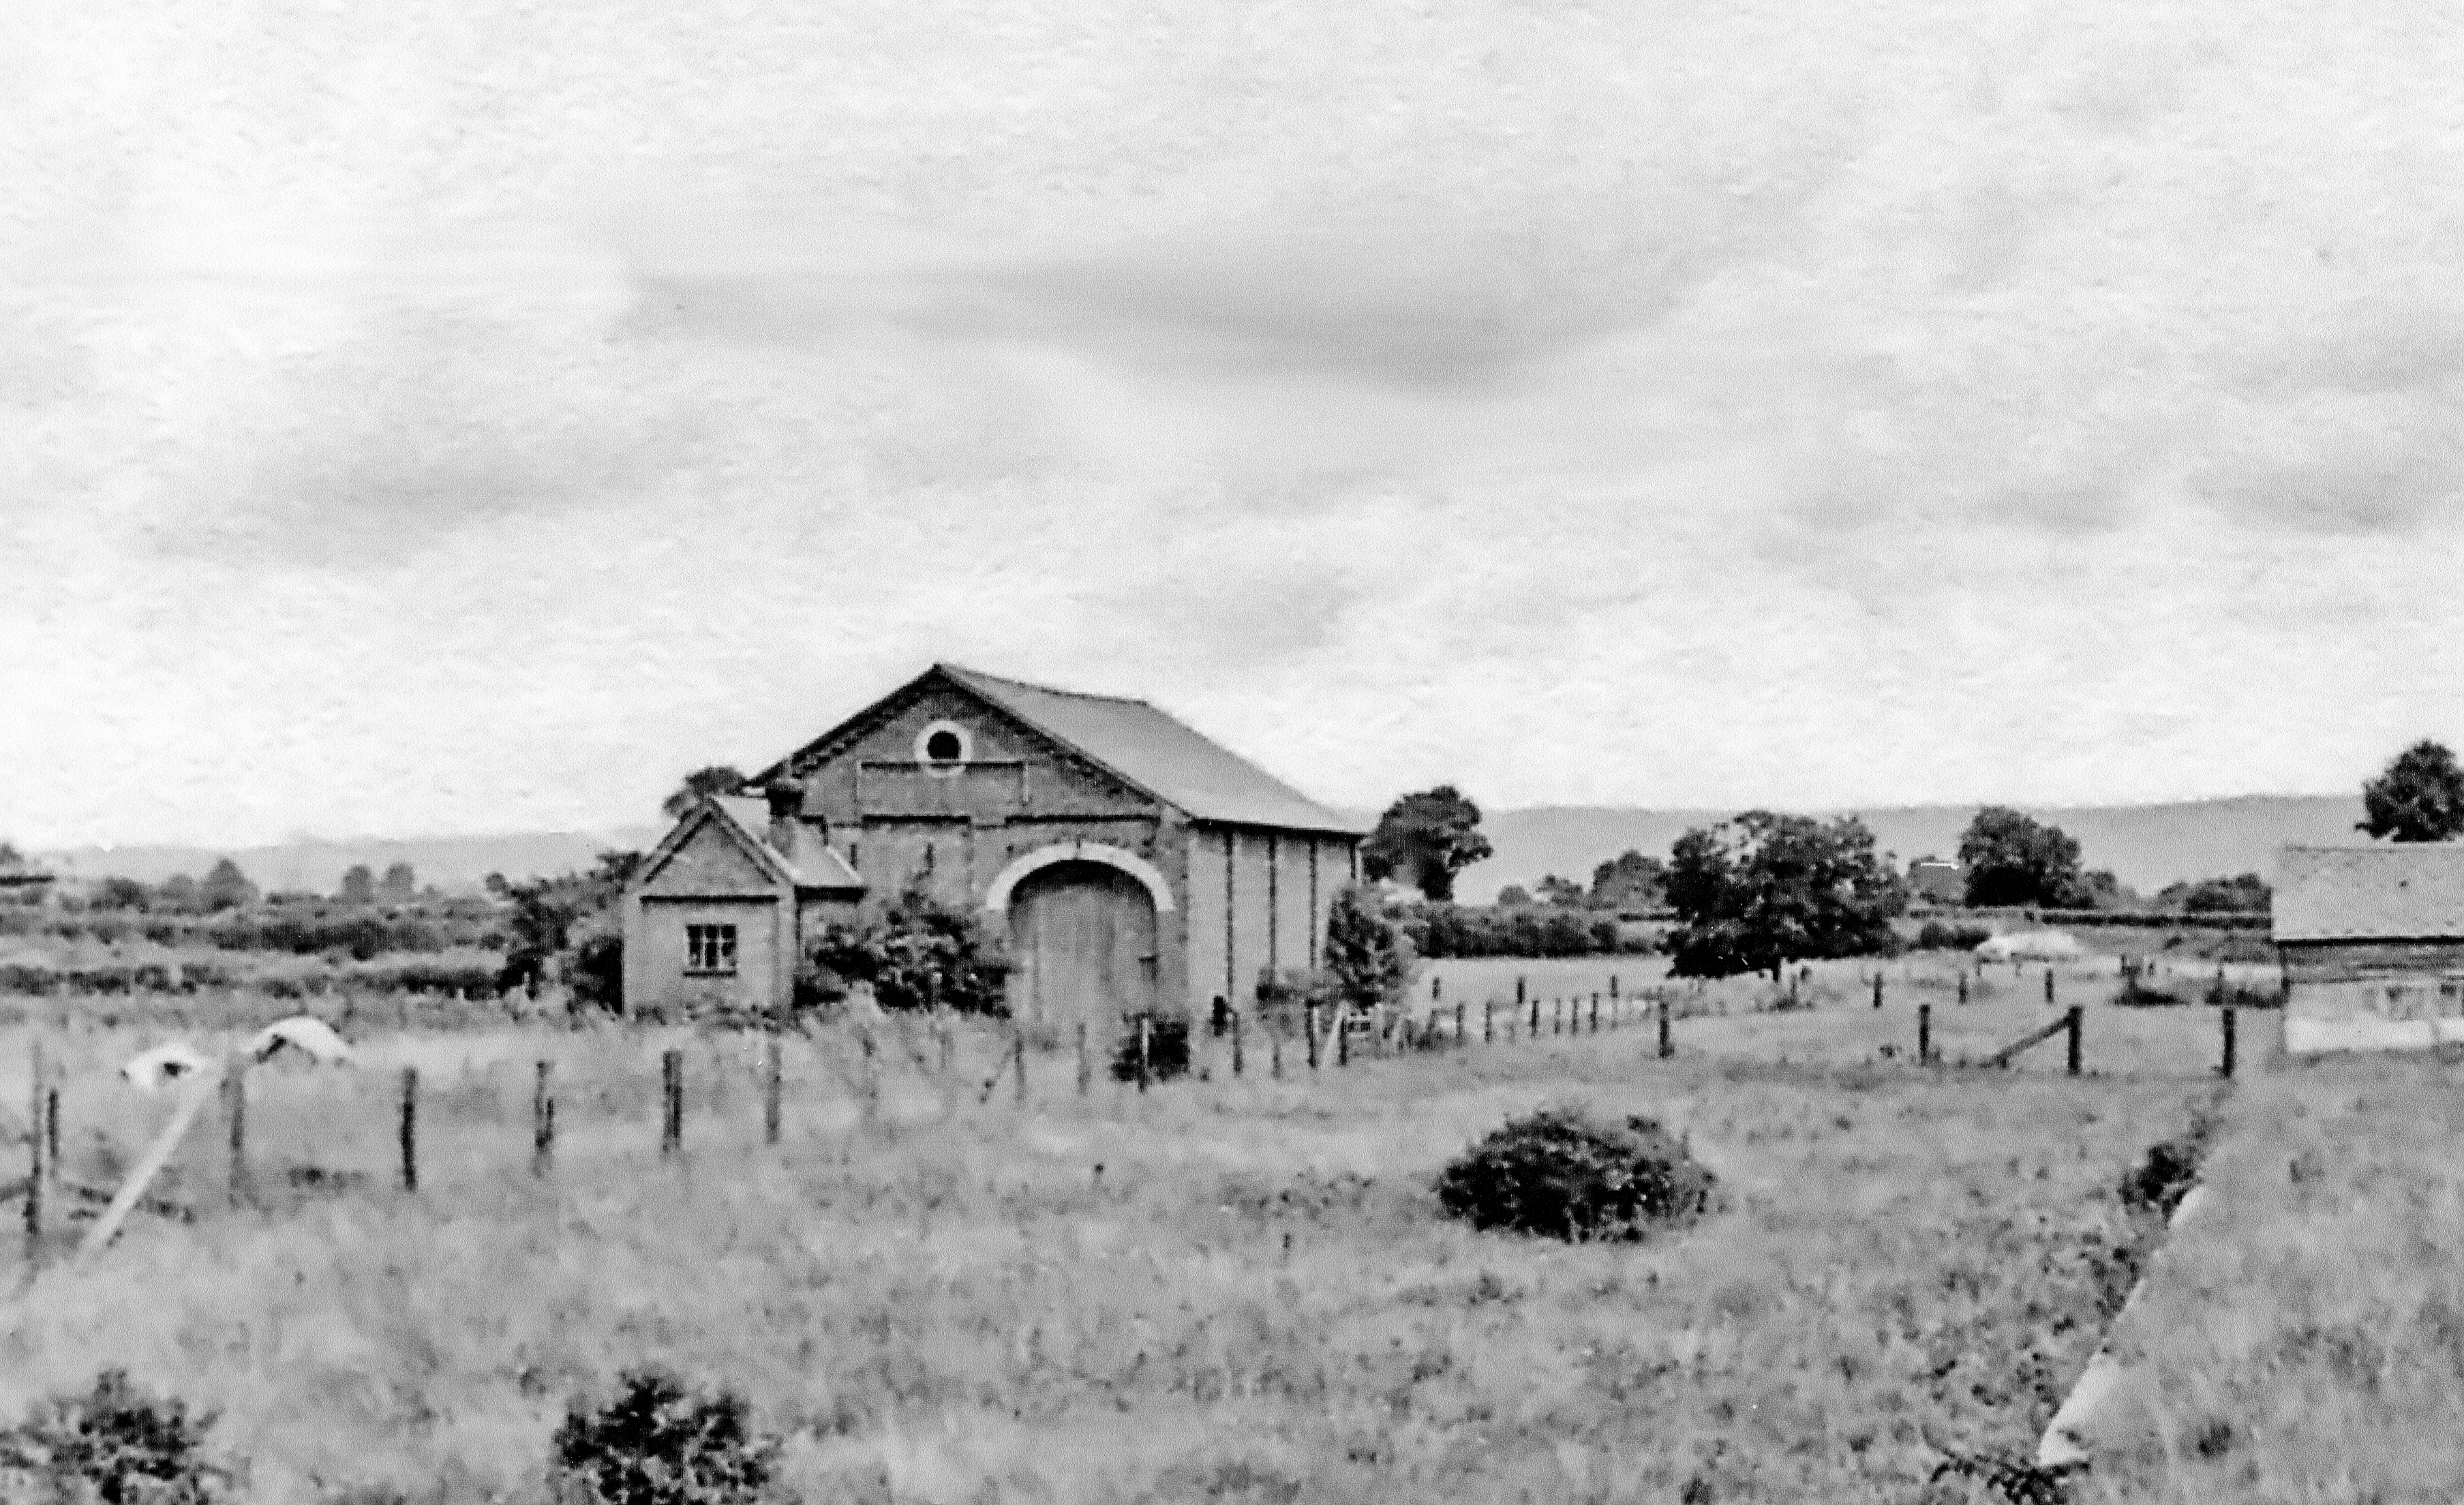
1173, 762
813, 864
2401, 890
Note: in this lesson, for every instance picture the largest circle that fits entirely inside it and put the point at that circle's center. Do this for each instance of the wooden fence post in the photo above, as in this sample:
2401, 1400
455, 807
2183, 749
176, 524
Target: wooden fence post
2049, 982
1963, 987
1518, 993
34, 1141
1236, 1045
772, 1089
1308, 1017
1086, 1067
1878, 989
1534, 1031
1595, 1013
871, 1074
1146, 1028
671, 1101
2078, 1018
2229, 1042
408, 1134
1667, 1045
1459, 1040
1018, 1064
1557, 1015
1436, 990
1924, 1034
1342, 1039
235, 1122
1488, 1023
542, 1121
52, 1136
1275, 1054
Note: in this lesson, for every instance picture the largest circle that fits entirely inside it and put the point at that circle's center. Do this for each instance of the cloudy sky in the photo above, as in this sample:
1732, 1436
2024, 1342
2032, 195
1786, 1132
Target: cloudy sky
414, 423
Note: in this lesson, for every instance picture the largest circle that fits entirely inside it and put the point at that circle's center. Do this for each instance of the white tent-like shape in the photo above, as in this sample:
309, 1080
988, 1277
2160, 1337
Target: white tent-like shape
152, 1071
2029, 945
312, 1037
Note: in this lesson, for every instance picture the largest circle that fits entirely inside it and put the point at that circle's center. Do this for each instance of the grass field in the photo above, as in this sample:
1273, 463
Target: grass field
1253, 1298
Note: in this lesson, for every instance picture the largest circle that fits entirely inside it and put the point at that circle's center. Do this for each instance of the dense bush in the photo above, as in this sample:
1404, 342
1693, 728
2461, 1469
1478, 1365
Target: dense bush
659, 1444
1935, 936
1454, 930
1559, 1174
920, 954
1167, 1050
115, 1444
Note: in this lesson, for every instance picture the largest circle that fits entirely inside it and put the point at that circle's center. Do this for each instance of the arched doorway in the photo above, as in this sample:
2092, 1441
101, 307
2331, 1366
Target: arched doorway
1083, 937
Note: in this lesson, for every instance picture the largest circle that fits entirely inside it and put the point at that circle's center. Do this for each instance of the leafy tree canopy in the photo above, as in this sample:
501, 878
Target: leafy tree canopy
919, 954
1629, 880
1515, 896
1424, 840
359, 885
1763, 890
716, 779
225, 887
2013, 859
1564, 892
2418, 797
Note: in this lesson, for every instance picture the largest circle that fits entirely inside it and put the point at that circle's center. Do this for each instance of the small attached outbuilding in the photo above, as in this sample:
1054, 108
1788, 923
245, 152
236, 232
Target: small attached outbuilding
2371, 942
1130, 862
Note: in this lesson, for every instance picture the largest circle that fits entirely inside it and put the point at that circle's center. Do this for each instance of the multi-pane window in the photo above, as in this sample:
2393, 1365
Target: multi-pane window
709, 948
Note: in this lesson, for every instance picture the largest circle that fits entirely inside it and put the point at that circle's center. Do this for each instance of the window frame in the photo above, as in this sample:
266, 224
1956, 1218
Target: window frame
711, 948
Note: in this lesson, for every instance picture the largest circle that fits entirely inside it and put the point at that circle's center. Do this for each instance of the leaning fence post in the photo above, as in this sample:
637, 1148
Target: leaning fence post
776, 1069
1667, 1047
2229, 1042
408, 1134
2078, 1018
671, 1097
235, 1120
1924, 1034
542, 1121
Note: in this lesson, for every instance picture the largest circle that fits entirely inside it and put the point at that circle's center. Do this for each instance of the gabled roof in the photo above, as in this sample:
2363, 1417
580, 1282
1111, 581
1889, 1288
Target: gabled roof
811, 865
1148, 749
2404, 891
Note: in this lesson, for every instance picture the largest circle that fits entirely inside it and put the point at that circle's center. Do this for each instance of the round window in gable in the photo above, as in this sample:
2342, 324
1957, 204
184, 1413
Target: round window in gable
943, 747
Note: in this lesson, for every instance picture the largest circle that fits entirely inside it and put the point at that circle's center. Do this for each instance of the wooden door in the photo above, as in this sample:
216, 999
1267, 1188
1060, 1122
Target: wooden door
1083, 937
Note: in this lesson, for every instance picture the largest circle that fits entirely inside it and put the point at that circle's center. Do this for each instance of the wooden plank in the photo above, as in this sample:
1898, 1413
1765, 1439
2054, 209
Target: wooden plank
2002, 1056
207, 1086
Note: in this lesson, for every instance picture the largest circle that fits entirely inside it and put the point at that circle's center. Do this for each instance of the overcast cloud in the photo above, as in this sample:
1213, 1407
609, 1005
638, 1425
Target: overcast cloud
427, 419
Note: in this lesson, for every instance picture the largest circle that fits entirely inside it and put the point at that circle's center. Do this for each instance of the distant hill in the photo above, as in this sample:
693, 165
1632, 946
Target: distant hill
450, 862
2146, 846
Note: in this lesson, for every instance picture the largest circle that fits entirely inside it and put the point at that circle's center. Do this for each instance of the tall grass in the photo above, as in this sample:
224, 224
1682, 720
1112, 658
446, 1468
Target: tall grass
1227, 1289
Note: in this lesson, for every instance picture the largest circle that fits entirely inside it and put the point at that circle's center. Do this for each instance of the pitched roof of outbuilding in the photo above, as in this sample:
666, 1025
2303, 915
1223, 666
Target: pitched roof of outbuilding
2406, 891
811, 864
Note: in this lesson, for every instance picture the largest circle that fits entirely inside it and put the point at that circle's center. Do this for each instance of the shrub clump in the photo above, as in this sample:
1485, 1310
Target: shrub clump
1167, 1050
1560, 1174
1935, 936
115, 1444
659, 1444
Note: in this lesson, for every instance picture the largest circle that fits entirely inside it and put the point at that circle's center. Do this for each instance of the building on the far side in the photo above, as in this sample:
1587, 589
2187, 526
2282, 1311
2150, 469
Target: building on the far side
1132, 863
2371, 944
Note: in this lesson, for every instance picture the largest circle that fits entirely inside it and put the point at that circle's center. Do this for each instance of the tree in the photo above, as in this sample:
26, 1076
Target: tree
1629, 880
1564, 893
1515, 896
2419, 797
122, 893
1424, 840
1367, 960
2243, 893
400, 885
359, 885
2013, 859
178, 894
225, 887
1755, 894
716, 779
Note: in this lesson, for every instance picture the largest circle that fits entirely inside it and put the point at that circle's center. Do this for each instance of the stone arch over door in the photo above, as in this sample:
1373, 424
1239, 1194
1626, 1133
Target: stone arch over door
997, 898
1085, 944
